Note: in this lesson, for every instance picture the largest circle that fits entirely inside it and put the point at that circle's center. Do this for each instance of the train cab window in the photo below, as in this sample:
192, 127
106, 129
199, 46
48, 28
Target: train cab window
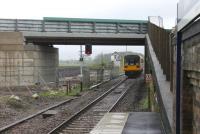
132, 60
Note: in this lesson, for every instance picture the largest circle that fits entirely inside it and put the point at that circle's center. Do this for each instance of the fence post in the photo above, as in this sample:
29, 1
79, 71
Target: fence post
66, 84
69, 86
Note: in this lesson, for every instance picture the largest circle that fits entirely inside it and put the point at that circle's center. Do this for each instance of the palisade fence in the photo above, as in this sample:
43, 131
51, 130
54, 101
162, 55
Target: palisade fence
12, 76
160, 39
19, 76
91, 76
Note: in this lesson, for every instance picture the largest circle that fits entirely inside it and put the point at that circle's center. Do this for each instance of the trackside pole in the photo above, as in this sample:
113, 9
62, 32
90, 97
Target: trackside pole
81, 68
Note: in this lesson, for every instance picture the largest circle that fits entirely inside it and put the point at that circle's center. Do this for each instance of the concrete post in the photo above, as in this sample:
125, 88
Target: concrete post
86, 77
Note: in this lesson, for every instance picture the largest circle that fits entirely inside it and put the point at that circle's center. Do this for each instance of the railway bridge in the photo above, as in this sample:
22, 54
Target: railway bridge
27, 55
31, 42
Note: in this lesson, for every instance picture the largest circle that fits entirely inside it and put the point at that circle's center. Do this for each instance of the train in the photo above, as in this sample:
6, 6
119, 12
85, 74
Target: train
133, 65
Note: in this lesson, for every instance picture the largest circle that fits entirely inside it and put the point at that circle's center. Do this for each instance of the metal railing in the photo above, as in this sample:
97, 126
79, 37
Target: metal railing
73, 26
160, 41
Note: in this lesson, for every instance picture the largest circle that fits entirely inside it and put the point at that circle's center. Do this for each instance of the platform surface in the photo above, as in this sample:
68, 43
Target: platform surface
129, 123
143, 123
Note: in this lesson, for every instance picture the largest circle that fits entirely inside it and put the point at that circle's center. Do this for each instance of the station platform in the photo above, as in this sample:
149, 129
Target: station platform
129, 123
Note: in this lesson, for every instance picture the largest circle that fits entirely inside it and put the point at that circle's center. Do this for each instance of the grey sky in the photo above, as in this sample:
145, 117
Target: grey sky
107, 9
73, 52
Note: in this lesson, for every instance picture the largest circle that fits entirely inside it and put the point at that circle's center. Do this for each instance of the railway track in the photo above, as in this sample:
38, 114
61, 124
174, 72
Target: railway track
133, 101
85, 120
3, 129
27, 124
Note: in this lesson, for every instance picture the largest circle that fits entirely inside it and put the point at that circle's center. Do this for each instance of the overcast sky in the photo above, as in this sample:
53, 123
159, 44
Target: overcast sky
104, 9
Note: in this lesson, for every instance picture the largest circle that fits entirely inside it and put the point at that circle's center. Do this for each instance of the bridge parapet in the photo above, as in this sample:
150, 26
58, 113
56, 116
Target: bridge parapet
74, 25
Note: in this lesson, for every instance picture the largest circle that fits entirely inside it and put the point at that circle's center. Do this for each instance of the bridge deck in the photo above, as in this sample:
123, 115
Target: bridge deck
74, 25
78, 31
43, 38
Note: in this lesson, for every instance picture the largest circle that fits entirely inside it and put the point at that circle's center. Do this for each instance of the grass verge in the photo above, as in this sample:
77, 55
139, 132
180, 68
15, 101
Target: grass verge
62, 93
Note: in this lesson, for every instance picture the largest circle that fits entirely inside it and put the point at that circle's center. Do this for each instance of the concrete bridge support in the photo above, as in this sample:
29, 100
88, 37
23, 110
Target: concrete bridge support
22, 64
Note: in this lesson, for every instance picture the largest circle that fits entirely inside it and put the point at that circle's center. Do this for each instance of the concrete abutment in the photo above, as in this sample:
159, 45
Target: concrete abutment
22, 64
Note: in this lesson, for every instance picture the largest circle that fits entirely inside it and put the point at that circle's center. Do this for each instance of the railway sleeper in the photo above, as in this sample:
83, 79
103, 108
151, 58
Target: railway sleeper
49, 113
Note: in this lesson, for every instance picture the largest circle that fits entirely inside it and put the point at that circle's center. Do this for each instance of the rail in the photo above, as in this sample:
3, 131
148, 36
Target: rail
39, 113
3, 129
58, 128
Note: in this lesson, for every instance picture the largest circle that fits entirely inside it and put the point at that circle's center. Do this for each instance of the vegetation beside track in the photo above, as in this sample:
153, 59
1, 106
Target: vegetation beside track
144, 104
63, 93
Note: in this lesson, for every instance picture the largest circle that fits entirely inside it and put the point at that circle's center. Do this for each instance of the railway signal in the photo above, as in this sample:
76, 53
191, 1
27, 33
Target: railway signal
88, 49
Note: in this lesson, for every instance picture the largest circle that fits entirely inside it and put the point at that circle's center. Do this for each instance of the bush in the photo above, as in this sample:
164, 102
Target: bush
15, 103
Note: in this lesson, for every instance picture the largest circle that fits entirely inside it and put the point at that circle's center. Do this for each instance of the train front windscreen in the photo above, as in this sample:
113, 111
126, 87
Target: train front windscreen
131, 60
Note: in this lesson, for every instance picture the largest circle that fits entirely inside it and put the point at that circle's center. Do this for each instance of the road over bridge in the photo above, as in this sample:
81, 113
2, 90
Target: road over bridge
71, 31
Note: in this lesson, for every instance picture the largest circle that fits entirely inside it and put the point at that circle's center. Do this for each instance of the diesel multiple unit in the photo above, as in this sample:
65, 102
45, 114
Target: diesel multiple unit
133, 65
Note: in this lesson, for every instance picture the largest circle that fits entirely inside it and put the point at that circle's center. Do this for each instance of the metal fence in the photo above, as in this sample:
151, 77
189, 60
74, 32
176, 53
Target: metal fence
160, 39
70, 26
161, 43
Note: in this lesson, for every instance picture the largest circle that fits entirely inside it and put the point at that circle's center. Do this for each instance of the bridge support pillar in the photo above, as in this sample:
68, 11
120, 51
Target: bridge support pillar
22, 64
